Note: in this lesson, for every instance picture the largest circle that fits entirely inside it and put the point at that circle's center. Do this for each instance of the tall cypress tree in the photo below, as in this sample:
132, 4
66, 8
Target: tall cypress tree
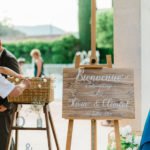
85, 24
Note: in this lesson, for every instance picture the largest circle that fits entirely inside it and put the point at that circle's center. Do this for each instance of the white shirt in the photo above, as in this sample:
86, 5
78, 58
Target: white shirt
6, 87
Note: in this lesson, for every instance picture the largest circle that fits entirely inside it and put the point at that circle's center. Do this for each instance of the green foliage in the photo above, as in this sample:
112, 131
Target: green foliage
124, 144
60, 51
104, 26
8, 31
84, 24
104, 52
64, 50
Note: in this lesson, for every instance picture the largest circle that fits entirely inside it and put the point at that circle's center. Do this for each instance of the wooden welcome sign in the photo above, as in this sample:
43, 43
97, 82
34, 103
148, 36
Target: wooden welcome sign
98, 94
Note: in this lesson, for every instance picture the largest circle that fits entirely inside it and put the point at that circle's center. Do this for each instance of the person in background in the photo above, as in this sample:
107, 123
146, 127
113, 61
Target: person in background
21, 62
38, 66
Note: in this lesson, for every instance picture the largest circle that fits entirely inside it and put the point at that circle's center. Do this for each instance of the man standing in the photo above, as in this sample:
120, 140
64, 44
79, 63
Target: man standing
7, 59
8, 89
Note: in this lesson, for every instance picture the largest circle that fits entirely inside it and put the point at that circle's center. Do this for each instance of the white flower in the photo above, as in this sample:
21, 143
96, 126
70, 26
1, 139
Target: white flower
135, 148
17, 80
129, 148
113, 145
129, 139
39, 85
125, 131
45, 80
112, 136
129, 129
137, 140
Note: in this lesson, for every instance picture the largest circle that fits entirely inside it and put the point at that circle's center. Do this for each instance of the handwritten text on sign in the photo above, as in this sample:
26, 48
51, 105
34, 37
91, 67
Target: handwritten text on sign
98, 93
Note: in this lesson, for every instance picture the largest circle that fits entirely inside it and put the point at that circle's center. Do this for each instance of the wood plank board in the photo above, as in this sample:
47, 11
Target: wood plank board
98, 93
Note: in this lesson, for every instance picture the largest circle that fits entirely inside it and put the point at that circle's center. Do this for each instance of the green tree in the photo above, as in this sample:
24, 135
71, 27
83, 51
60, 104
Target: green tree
84, 24
104, 26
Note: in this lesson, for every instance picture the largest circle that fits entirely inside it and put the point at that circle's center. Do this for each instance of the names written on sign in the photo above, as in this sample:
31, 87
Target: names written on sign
99, 93
105, 103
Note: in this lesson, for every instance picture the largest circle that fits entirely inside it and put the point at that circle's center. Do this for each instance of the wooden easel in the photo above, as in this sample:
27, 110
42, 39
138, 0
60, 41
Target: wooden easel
93, 64
48, 119
93, 121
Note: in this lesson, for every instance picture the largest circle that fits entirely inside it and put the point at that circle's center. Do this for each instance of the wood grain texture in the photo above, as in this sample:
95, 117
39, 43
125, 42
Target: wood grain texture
98, 94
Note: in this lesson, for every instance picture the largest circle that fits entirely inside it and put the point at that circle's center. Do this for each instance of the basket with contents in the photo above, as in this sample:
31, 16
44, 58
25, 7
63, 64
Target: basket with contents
41, 91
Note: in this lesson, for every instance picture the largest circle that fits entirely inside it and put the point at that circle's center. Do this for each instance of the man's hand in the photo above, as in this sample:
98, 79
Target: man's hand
18, 90
2, 108
26, 83
20, 76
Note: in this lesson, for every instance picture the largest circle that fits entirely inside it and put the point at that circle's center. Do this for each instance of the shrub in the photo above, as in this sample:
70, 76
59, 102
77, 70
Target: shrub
103, 53
104, 34
60, 51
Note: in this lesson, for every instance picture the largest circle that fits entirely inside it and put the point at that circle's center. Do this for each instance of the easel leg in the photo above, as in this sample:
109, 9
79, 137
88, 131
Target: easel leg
93, 135
47, 127
53, 129
117, 133
10, 129
69, 135
16, 136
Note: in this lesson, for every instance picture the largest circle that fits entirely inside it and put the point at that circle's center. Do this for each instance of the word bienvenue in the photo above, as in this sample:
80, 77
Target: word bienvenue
81, 76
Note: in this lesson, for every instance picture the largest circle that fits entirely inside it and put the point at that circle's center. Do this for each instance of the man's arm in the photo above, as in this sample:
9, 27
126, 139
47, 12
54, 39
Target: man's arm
7, 71
18, 90
9, 61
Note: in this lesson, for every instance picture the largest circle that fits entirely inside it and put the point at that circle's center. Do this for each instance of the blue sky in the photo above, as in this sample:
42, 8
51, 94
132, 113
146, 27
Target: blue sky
60, 13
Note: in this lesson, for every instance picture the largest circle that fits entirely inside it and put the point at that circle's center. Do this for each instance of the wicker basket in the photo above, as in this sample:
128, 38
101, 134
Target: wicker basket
41, 91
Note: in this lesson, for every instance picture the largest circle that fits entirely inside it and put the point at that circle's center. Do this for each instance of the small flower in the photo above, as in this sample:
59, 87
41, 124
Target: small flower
39, 85
113, 145
17, 80
129, 139
135, 148
125, 131
129, 129
112, 136
45, 80
129, 148
137, 140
